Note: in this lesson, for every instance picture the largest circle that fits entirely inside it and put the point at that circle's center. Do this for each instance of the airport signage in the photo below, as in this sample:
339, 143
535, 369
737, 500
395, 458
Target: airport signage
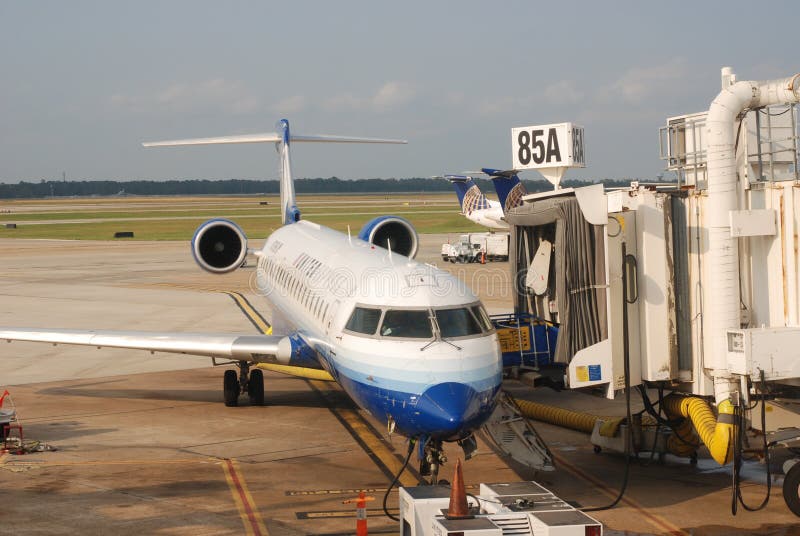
547, 146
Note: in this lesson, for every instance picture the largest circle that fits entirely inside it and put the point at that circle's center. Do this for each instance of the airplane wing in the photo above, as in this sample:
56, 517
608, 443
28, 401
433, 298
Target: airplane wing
255, 348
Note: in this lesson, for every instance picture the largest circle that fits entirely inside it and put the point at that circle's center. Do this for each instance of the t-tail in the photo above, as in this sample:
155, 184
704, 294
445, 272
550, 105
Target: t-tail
508, 187
282, 138
469, 195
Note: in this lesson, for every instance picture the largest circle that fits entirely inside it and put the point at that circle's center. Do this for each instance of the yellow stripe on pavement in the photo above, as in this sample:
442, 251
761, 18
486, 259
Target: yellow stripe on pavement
251, 518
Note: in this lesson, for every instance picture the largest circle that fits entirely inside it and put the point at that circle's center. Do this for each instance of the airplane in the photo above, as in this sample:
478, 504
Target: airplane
475, 206
409, 343
508, 187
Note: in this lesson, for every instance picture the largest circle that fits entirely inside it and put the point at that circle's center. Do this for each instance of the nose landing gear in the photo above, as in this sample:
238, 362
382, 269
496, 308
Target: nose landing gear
247, 381
432, 457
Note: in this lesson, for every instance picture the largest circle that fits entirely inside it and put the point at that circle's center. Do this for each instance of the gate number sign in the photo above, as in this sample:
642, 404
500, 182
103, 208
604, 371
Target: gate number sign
544, 146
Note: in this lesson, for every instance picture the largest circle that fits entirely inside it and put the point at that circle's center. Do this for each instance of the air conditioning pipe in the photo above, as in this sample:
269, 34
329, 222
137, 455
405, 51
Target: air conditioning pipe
722, 306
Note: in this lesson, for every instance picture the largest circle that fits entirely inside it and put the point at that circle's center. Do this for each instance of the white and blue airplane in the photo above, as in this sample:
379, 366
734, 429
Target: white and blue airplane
408, 342
475, 206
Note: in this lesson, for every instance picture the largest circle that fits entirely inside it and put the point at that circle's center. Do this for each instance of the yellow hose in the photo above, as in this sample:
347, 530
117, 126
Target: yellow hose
582, 422
683, 442
716, 433
300, 372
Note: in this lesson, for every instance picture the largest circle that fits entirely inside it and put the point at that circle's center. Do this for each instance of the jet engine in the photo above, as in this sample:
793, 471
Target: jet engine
391, 232
219, 246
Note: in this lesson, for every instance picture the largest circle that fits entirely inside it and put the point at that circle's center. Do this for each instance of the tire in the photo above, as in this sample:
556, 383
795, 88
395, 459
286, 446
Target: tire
255, 387
230, 388
791, 489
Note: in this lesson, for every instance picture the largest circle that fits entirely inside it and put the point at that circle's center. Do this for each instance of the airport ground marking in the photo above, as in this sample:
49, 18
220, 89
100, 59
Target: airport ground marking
249, 311
251, 518
368, 438
654, 519
351, 491
339, 514
123, 462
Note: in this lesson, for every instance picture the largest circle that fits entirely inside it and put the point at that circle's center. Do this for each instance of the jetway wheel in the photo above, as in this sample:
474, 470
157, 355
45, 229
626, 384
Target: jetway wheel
791, 489
230, 388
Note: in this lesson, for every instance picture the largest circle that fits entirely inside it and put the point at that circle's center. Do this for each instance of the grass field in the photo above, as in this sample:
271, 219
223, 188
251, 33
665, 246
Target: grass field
176, 218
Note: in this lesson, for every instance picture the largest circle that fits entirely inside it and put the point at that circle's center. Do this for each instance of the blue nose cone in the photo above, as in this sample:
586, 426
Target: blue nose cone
451, 410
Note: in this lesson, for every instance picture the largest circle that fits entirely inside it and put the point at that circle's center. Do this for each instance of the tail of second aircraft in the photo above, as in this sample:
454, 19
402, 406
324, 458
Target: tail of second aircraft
282, 139
508, 187
469, 195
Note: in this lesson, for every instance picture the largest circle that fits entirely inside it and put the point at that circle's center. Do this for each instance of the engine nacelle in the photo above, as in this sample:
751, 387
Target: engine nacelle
219, 246
392, 232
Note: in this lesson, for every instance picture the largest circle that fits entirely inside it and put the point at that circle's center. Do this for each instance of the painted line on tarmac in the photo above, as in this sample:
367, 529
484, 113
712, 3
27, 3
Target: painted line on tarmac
339, 514
317, 492
249, 311
351, 491
366, 436
655, 520
119, 462
251, 518
4, 458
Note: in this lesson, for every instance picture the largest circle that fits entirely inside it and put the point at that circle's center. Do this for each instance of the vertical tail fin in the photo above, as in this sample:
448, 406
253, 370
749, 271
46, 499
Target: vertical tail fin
508, 187
469, 195
281, 139
289, 208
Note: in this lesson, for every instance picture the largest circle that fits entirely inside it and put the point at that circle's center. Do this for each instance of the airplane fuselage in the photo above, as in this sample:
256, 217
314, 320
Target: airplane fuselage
491, 217
407, 341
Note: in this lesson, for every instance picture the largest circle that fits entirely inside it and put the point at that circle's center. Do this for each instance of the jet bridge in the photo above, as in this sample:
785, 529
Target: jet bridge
693, 286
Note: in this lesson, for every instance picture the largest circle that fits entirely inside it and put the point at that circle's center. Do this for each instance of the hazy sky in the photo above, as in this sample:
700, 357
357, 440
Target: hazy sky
83, 83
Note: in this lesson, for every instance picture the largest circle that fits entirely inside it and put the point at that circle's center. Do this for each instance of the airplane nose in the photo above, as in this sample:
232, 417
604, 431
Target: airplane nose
451, 409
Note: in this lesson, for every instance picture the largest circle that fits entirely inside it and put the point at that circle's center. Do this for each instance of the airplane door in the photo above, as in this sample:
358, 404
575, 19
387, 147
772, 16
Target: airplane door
331, 317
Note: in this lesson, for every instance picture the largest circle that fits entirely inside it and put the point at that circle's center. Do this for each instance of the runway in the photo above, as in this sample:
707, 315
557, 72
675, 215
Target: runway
145, 445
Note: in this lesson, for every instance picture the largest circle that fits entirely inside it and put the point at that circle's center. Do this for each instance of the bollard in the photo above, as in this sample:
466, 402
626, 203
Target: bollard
361, 512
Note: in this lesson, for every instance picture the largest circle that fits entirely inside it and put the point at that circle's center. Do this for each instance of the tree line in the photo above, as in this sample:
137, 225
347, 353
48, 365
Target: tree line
332, 185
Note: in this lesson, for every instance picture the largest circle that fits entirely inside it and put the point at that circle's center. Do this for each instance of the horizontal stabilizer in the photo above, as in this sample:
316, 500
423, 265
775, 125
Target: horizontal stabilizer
246, 138
269, 137
458, 178
342, 139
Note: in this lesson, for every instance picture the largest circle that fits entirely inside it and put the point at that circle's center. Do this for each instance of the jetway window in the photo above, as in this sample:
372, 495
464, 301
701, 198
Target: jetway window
364, 320
410, 324
457, 323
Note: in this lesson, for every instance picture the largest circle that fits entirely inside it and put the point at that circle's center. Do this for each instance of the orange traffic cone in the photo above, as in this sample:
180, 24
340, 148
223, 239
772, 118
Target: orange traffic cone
361, 512
458, 508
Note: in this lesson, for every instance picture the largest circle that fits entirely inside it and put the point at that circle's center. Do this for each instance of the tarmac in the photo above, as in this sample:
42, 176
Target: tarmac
146, 446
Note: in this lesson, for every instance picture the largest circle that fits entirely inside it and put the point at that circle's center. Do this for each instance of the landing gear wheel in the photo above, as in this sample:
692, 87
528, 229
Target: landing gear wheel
255, 387
230, 388
791, 489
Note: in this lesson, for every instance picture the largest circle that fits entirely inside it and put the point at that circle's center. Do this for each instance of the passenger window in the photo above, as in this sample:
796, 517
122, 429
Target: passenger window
457, 323
407, 324
483, 317
364, 320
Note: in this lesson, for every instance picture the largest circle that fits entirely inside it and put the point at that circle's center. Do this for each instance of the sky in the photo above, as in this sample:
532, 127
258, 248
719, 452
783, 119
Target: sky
82, 83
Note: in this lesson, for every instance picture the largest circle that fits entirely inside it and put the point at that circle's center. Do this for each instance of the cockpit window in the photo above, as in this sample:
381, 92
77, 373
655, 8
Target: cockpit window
457, 323
364, 320
483, 317
407, 323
